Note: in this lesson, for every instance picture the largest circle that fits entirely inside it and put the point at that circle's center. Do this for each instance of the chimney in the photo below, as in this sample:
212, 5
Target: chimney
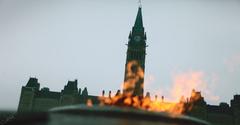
109, 94
118, 93
156, 97
103, 93
147, 95
162, 98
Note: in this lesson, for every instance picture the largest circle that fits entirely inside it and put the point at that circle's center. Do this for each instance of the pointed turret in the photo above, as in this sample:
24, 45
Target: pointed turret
139, 21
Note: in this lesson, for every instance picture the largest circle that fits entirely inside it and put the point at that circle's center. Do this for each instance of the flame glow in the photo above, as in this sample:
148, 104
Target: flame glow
184, 84
146, 104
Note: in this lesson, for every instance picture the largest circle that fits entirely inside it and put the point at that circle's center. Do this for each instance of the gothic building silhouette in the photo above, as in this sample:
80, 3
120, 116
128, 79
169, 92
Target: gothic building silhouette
34, 99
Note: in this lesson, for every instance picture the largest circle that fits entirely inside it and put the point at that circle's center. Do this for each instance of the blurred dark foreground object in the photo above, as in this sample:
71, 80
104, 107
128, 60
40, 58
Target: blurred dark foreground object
102, 115
6, 116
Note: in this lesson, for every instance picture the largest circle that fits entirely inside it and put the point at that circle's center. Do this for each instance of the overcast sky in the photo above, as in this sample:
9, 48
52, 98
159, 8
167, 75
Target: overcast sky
61, 40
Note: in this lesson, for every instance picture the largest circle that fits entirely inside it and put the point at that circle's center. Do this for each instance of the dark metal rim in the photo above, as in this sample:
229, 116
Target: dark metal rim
127, 113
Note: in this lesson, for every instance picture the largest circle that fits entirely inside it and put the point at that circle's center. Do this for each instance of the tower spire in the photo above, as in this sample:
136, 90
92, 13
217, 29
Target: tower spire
139, 21
140, 3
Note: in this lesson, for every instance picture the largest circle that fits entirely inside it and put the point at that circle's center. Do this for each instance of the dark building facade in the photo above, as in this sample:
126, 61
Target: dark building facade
34, 99
222, 114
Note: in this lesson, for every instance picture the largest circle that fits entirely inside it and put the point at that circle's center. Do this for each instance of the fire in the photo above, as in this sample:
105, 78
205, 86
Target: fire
129, 98
147, 104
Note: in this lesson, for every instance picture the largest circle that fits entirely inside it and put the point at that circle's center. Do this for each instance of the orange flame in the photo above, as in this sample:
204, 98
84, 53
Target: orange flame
180, 89
144, 104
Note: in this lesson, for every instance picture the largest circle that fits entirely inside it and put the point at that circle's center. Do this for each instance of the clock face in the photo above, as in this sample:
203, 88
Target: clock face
137, 38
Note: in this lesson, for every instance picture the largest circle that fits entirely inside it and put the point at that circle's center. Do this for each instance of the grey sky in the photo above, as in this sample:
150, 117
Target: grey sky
57, 40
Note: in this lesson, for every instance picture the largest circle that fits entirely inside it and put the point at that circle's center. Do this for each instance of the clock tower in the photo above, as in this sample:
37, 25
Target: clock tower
135, 62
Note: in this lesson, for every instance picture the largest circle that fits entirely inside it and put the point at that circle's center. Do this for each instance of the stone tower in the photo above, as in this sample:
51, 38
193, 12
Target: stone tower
235, 105
27, 95
135, 62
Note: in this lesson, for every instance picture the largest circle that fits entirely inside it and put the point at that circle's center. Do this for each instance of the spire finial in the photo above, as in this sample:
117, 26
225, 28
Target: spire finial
140, 3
